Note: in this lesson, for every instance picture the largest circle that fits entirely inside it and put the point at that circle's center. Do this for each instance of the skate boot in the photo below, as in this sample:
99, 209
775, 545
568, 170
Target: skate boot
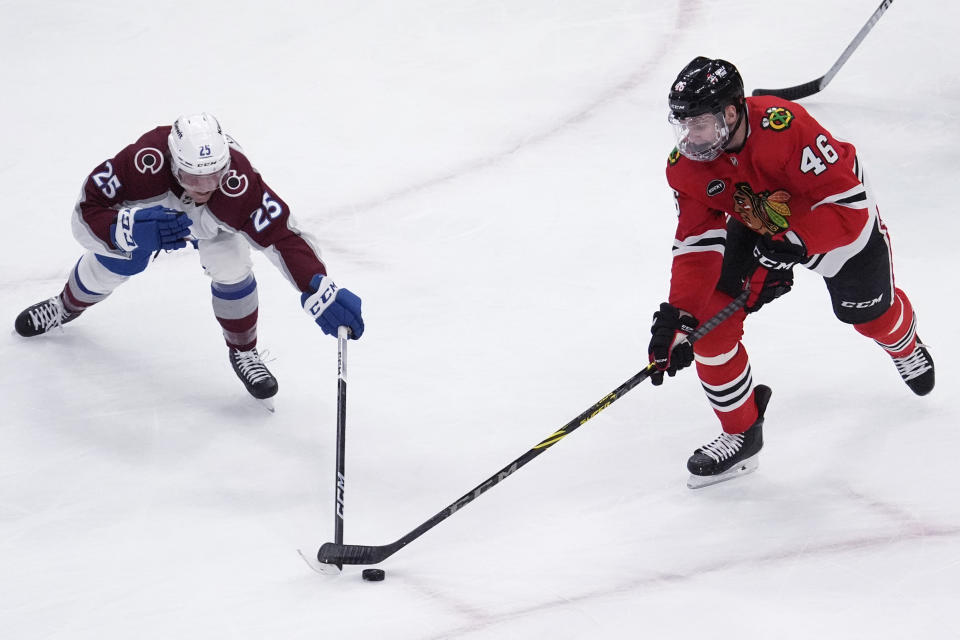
730, 455
42, 317
916, 369
255, 376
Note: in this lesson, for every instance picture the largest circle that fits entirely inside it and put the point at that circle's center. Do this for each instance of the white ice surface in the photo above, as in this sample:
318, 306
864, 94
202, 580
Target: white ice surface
488, 176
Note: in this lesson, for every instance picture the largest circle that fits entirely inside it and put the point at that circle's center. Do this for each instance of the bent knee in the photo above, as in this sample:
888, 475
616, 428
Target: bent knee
226, 258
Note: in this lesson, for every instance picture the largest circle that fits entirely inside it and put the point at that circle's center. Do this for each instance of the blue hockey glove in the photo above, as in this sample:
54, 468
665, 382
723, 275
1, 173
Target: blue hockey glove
331, 307
150, 229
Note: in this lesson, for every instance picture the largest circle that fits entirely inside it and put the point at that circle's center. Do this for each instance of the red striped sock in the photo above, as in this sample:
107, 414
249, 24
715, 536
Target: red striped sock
728, 382
896, 329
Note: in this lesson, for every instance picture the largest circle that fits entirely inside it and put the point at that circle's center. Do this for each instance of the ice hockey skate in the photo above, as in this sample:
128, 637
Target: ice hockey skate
42, 317
917, 369
730, 455
255, 376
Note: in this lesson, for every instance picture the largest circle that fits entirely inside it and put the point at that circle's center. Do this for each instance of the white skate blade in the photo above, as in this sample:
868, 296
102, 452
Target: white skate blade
747, 466
320, 567
267, 403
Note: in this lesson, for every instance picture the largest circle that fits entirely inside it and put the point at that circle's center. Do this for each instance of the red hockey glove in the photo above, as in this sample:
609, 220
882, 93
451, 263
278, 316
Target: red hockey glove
772, 273
668, 349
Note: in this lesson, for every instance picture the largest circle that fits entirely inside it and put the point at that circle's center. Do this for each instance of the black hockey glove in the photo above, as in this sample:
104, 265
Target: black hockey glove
772, 273
669, 350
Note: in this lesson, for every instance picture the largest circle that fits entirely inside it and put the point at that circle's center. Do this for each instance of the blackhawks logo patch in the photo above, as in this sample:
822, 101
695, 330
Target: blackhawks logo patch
777, 118
766, 212
673, 157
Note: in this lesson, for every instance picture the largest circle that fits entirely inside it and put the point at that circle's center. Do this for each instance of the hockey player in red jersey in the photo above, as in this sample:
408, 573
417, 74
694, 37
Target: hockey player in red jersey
761, 187
183, 185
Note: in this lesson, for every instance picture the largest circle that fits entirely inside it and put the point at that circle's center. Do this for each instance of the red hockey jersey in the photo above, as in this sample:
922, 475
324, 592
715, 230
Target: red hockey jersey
791, 178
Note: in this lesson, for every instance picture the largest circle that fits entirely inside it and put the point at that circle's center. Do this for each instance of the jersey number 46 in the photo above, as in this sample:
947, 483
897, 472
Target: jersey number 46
812, 161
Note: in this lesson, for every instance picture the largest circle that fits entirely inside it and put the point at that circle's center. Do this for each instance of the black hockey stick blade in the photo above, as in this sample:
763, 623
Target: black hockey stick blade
815, 86
332, 553
794, 93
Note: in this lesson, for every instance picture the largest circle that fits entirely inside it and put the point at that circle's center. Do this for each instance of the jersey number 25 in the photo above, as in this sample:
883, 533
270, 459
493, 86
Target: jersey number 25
266, 214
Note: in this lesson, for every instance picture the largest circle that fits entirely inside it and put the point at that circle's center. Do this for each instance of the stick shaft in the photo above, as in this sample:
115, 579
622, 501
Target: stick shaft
815, 86
340, 479
828, 76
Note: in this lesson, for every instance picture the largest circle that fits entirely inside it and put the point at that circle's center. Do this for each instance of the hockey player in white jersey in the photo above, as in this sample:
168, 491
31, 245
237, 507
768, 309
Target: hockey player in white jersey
190, 185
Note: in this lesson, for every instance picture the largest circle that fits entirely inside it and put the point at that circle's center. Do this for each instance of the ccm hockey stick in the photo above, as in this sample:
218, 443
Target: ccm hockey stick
343, 335
339, 484
815, 86
335, 553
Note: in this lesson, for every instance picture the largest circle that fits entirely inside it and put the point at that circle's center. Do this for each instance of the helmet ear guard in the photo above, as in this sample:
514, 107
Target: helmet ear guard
198, 147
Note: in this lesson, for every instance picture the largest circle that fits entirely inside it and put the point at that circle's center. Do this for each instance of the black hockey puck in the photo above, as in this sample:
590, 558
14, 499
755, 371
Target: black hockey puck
373, 575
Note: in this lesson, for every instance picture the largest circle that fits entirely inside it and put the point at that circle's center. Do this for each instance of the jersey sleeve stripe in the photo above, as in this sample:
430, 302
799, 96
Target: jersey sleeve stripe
813, 262
855, 198
713, 240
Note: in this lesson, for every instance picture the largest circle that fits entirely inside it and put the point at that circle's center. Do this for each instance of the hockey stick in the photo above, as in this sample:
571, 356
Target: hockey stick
343, 334
339, 485
341, 554
815, 86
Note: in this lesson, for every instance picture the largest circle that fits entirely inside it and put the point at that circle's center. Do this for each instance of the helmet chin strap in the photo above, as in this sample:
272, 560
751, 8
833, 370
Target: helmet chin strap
741, 112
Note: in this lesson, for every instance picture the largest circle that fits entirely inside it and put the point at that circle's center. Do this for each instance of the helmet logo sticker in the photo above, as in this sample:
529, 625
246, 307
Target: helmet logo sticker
777, 118
234, 184
148, 160
204, 151
764, 212
716, 187
719, 74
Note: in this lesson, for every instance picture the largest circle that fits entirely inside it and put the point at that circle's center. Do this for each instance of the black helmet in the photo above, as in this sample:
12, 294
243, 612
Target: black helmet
705, 86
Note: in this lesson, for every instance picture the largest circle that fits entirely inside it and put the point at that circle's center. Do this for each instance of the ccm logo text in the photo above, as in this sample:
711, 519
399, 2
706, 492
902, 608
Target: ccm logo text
861, 305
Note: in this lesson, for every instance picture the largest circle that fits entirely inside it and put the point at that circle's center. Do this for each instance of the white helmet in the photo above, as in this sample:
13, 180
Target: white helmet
198, 147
